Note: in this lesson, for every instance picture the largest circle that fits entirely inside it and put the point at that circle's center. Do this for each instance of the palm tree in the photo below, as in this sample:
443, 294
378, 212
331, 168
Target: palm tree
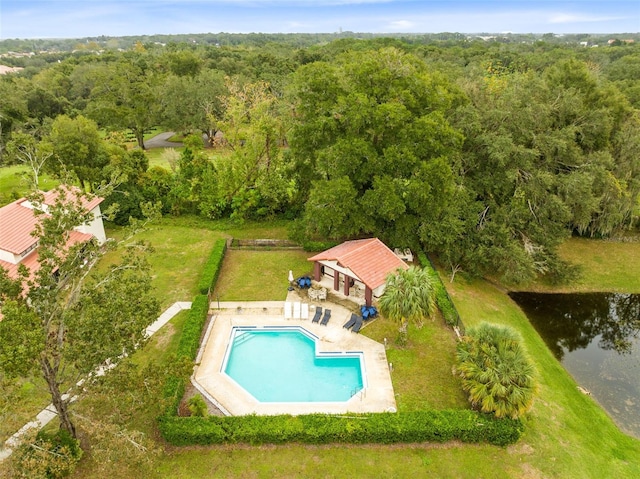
496, 371
408, 297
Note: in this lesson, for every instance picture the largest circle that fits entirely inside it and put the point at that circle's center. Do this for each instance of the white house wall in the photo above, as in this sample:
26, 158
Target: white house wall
95, 227
9, 257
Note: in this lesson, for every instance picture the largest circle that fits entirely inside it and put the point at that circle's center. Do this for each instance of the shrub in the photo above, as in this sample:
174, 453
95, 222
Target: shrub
449, 312
47, 456
313, 246
192, 330
212, 267
197, 406
496, 371
382, 428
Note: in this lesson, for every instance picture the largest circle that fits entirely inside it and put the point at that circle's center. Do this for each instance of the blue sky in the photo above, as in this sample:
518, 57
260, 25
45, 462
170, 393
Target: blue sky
82, 18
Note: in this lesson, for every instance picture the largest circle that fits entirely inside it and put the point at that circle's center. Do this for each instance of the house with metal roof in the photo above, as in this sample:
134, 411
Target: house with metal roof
358, 265
18, 221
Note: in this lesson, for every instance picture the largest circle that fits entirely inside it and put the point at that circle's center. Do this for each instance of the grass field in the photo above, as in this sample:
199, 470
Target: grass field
14, 185
606, 265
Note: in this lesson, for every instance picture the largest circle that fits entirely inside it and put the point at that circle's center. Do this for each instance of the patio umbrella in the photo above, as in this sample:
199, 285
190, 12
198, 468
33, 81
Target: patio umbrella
290, 276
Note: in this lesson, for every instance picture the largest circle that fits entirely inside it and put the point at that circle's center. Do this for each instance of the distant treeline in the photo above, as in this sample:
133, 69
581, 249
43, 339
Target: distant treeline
298, 40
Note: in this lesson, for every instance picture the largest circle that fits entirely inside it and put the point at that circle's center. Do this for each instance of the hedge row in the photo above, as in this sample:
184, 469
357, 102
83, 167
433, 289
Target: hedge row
187, 348
381, 428
192, 329
212, 268
442, 297
314, 246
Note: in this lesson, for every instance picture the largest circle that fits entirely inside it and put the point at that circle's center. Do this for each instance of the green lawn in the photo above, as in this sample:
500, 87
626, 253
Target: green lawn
259, 275
13, 184
568, 434
606, 265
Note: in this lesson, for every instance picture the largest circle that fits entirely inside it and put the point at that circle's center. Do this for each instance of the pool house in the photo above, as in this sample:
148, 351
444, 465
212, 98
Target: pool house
357, 269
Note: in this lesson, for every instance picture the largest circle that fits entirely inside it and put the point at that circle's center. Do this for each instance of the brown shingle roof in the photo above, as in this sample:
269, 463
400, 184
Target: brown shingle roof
369, 259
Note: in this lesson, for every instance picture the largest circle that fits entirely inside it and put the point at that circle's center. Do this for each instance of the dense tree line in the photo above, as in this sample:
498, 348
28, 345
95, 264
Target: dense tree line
489, 154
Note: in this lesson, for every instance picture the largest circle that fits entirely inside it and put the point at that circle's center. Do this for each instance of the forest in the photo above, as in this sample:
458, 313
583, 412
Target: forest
487, 154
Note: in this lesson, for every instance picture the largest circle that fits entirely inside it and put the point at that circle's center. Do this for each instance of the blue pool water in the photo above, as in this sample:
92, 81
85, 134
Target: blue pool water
281, 366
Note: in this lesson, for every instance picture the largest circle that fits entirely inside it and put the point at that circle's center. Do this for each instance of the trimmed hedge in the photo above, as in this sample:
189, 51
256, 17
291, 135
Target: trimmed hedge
187, 348
382, 428
192, 330
442, 297
212, 268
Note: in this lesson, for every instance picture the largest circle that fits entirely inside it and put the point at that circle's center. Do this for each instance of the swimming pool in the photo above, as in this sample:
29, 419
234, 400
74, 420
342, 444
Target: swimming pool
282, 365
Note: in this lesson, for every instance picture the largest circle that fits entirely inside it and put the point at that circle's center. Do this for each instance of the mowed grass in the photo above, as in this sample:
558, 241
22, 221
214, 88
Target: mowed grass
336, 461
567, 434
605, 266
14, 183
422, 377
259, 275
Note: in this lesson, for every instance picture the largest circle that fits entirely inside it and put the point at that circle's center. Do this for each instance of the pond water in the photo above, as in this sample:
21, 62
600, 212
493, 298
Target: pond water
596, 337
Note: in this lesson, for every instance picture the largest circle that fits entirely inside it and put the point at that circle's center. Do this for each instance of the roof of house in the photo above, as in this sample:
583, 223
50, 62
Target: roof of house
17, 220
89, 202
16, 224
369, 259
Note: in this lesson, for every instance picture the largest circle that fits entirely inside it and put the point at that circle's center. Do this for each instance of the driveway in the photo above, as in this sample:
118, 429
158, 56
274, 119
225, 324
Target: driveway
160, 141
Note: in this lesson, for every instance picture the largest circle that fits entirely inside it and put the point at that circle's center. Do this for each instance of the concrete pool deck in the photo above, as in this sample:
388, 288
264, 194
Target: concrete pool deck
378, 395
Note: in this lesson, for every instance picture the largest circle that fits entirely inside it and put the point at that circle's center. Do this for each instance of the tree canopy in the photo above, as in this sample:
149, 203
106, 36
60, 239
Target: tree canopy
66, 318
488, 154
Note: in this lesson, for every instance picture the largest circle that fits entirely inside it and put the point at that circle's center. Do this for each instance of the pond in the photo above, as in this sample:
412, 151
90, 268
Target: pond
596, 337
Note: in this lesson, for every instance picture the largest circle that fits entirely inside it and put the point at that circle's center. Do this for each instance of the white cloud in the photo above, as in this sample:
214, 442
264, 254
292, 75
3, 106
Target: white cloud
576, 18
403, 25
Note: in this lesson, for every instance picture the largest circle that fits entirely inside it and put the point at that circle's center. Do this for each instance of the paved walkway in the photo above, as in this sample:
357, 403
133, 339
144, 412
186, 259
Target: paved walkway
47, 414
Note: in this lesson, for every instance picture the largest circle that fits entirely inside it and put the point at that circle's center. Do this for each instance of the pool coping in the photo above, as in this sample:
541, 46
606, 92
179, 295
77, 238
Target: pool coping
232, 399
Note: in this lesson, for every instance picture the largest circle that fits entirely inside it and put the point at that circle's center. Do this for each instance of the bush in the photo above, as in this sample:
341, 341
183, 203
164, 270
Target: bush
197, 406
443, 300
192, 330
313, 246
382, 428
496, 371
187, 348
212, 268
47, 456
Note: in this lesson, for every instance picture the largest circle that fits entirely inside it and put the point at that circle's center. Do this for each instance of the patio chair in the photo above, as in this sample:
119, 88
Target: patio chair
288, 310
351, 321
358, 325
326, 317
322, 294
296, 310
316, 316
